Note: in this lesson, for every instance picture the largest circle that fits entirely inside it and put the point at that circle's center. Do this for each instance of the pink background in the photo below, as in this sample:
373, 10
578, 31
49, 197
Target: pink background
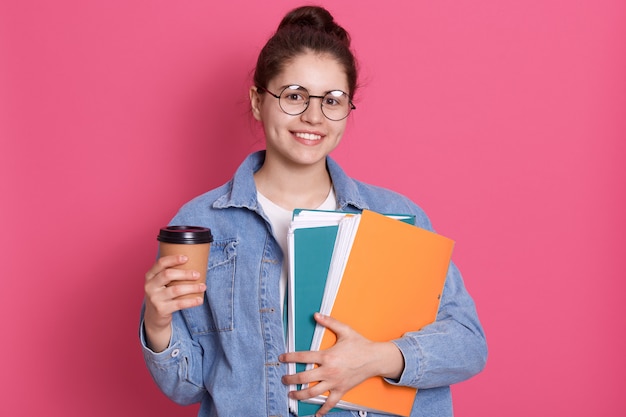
505, 120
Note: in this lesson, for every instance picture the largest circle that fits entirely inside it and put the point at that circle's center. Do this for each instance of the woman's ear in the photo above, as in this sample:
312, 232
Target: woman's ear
255, 103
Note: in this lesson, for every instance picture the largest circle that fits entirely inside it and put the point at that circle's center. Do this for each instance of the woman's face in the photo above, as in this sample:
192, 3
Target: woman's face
305, 139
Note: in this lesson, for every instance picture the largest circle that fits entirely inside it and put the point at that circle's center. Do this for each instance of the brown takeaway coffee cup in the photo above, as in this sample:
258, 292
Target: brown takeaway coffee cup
191, 241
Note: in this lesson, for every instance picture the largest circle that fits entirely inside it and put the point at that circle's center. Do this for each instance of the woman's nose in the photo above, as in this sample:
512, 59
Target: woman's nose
313, 113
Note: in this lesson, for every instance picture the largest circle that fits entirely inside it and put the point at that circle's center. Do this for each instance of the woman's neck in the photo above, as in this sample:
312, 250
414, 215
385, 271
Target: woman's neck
304, 187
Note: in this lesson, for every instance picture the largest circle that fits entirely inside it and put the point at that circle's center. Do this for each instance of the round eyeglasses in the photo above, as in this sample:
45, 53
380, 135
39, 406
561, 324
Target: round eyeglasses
294, 100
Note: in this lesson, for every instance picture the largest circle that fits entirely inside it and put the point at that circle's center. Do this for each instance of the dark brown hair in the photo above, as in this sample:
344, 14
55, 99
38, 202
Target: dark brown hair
307, 28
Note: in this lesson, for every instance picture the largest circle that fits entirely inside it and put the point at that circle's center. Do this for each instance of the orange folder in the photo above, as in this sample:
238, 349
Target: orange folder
391, 285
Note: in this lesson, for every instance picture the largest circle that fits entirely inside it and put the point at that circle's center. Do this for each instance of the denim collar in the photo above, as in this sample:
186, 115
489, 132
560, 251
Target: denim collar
242, 189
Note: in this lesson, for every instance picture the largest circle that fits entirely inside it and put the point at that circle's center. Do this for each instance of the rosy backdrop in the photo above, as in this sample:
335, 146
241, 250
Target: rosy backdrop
505, 120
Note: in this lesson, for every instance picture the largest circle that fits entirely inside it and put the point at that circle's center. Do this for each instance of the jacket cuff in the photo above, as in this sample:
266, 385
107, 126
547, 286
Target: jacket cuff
149, 352
413, 356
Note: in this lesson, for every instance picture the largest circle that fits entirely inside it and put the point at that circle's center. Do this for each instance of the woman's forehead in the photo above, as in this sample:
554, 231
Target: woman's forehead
315, 72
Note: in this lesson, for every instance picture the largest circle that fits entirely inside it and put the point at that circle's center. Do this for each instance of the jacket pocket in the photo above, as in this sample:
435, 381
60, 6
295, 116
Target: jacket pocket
216, 313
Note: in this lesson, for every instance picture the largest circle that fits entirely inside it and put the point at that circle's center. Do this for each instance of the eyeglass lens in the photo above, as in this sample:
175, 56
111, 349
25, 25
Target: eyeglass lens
295, 99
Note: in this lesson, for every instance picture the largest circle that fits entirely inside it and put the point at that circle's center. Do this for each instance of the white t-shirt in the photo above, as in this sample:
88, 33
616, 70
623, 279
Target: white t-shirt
280, 219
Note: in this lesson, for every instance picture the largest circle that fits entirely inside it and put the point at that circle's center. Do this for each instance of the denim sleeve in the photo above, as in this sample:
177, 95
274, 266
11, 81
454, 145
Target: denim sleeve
451, 349
178, 369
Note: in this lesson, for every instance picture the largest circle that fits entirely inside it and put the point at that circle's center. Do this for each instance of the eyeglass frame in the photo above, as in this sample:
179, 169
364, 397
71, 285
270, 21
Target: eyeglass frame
350, 107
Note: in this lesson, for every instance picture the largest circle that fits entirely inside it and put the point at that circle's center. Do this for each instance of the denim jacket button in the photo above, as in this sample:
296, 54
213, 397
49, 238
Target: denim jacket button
175, 353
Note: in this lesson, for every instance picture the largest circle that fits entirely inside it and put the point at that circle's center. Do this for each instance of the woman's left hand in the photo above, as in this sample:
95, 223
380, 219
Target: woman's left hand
350, 361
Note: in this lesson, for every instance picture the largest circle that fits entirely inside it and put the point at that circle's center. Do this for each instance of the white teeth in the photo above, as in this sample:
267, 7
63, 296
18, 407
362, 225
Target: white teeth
308, 136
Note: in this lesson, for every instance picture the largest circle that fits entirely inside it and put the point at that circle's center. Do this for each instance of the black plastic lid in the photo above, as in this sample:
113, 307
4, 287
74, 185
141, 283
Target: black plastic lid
188, 235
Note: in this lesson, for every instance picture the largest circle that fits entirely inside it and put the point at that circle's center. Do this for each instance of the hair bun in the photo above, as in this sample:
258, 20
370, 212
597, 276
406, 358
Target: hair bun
304, 30
317, 19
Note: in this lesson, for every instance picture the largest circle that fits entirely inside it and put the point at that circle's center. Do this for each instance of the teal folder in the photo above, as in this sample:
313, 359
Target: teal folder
313, 249
312, 255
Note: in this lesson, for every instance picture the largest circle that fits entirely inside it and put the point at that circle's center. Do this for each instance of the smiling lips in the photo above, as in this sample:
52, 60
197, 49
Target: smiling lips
307, 136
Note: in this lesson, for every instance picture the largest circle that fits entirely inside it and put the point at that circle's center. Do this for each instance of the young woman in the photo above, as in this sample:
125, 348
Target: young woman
228, 351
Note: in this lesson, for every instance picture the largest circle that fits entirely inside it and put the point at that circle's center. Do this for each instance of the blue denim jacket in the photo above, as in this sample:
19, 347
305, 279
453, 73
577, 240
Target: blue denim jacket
224, 353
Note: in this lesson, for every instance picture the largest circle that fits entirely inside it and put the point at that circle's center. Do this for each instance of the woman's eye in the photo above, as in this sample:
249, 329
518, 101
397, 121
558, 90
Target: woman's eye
335, 99
294, 97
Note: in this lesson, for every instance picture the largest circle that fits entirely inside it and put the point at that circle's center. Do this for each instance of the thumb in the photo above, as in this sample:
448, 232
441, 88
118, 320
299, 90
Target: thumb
334, 325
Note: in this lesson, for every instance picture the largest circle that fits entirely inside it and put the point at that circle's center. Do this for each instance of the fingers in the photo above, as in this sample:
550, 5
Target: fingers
302, 377
163, 263
311, 391
307, 356
184, 289
168, 289
321, 388
171, 303
321, 377
339, 368
166, 272
331, 401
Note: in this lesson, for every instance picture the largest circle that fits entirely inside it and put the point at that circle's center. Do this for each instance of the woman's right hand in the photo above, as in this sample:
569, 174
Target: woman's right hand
161, 298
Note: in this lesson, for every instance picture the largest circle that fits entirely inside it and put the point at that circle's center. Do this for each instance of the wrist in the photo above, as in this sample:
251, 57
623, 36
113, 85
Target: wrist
391, 360
157, 338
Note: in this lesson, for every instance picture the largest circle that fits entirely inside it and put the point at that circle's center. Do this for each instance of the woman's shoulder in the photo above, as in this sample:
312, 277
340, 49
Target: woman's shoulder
387, 201
202, 206
361, 195
207, 198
